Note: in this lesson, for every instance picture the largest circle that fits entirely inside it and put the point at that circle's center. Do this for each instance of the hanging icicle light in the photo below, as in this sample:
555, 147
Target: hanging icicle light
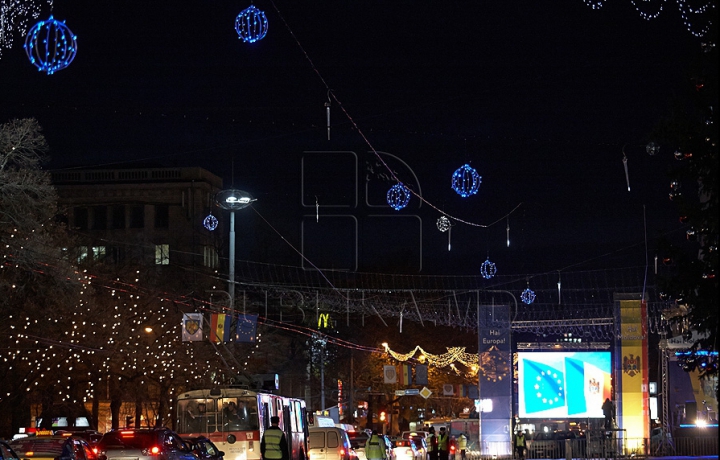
251, 24
488, 269
444, 225
210, 222
398, 196
50, 45
466, 181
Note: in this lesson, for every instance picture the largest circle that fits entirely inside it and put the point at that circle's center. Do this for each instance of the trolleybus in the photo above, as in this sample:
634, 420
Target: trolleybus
236, 418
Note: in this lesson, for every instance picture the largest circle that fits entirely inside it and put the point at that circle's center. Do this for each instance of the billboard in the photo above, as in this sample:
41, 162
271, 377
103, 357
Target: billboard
563, 384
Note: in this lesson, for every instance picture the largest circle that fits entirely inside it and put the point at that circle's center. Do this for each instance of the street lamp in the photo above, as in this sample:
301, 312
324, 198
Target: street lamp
233, 200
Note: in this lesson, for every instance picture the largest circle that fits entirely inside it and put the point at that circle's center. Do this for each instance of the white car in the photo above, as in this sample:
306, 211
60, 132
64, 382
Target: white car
405, 449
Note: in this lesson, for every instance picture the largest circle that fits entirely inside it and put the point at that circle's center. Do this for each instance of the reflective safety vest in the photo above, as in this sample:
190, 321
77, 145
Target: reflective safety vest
462, 442
520, 440
272, 439
431, 443
442, 441
375, 447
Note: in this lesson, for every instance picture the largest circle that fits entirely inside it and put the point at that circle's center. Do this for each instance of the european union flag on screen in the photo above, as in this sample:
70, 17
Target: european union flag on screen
246, 328
544, 387
576, 386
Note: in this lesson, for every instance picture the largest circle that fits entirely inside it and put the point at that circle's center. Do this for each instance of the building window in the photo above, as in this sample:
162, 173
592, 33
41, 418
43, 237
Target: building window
100, 218
137, 217
118, 217
162, 254
82, 254
162, 216
98, 252
80, 218
210, 257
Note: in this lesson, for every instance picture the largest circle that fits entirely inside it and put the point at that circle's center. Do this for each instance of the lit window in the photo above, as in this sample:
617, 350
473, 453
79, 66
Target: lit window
162, 254
98, 252
82, 254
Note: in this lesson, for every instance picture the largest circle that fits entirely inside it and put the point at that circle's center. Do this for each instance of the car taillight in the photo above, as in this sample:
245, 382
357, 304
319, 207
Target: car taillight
452, 449
151, 451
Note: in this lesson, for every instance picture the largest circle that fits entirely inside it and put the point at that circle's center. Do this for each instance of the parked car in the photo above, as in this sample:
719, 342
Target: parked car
405, 449
7, 452
204, 448
52, 447
357, 442
329, 443
143, 444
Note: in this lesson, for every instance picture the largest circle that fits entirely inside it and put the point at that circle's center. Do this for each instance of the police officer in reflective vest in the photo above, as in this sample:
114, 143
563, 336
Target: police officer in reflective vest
462, 445
443, 444
274, 445
375, 447
432, 444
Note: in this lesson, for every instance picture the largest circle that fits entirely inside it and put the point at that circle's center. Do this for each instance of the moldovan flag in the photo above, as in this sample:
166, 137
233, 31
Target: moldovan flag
219, 327
192, 327
390, 374
405, 374
246, 328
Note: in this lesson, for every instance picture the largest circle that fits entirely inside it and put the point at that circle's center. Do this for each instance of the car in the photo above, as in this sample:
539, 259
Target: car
204, 448
357, 442
405, 449
7, 452
52, 447
329, 443
143, 444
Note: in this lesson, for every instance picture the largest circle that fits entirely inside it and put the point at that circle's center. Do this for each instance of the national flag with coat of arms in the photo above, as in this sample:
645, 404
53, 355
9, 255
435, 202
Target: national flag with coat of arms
192, 327
405, 374
219, 327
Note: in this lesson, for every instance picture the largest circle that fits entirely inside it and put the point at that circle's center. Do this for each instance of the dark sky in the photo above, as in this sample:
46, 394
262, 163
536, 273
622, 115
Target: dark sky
540, 97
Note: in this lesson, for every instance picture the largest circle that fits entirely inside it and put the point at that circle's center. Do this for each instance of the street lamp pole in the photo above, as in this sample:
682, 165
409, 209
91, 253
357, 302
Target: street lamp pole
233, 200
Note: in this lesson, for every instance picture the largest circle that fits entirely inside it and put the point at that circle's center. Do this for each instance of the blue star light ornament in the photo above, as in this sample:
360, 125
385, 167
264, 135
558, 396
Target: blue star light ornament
251, 24
466, 181
398, 196
50, 45
488, 269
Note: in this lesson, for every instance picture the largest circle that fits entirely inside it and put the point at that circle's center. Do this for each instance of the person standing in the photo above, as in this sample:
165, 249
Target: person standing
520, 443
443, 444
375, 447
608, 409
462, 445
273, 445
432, 444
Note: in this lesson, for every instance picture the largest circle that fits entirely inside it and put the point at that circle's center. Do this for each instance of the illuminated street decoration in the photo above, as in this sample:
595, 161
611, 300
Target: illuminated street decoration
466, 181
14, 16
527, 296
50, 45
398, 196
210, 222
251, 24
488, 269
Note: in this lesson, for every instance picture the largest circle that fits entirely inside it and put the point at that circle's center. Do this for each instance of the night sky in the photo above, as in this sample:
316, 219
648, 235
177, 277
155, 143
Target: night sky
541, 98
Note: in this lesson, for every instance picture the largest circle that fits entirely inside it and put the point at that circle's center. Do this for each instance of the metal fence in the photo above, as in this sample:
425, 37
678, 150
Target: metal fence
607, 448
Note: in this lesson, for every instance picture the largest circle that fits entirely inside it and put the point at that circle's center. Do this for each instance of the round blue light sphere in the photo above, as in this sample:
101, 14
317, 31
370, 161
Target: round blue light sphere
466, 181
398, 196
50, 45
251, 24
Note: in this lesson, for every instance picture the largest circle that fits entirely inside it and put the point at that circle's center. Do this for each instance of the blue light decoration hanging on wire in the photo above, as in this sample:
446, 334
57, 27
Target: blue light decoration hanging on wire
488, 269
50, 45
527, 296
210, 222
251, 24
466, 181
398, 196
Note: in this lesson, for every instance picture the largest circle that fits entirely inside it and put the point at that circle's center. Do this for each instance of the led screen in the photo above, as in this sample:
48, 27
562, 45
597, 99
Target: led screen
563, 384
